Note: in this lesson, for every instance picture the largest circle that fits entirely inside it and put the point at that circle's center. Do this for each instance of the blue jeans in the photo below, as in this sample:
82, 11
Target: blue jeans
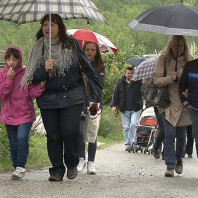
171, 133
129, 122
194, 118
19, 143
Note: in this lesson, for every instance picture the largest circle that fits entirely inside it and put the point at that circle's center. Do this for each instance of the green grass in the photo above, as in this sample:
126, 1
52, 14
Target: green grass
110, 131
38, 156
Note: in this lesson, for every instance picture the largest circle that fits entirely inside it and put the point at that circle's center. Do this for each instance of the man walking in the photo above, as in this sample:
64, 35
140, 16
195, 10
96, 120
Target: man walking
188, 94
127, 97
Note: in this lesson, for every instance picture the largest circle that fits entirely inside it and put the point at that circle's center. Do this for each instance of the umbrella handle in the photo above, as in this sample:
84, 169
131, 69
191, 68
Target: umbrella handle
51, 72
50, 36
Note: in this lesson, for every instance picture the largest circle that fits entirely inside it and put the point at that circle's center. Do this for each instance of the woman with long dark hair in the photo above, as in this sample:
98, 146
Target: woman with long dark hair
62, 102
92, 52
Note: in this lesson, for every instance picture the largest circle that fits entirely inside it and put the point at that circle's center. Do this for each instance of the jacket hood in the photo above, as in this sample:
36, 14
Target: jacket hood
19, 64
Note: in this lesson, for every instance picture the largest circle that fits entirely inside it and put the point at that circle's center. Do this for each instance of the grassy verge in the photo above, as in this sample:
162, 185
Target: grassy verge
37, 155
110, 132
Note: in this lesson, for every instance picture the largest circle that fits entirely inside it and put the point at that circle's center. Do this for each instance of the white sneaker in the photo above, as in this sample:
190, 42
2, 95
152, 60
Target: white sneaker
18, 173
91, 168
81, 164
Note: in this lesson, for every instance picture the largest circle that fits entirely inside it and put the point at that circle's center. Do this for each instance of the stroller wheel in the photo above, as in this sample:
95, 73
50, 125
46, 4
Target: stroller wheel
129, 150
136, 149
149, 151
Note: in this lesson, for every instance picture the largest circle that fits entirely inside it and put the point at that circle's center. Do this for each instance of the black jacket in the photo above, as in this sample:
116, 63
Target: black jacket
119, 95
67, 90
189, 80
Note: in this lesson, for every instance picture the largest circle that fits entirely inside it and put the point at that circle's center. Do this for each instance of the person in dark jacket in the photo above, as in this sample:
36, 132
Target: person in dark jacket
189, 142
188, 94
92, 52
62, 102
127, 97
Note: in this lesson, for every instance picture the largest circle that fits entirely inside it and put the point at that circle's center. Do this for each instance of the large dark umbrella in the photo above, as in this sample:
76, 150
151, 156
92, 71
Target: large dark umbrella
169, 20
135, 61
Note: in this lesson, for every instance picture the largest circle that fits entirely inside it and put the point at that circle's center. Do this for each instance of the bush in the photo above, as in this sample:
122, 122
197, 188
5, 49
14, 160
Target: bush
110, 125
4, 144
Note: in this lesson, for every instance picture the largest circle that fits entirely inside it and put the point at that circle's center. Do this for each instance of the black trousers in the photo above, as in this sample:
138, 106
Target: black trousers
63, 129
190, 141
160, 138
91, 146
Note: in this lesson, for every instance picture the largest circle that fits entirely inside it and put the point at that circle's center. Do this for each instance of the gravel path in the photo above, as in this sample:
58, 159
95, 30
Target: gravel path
119, 174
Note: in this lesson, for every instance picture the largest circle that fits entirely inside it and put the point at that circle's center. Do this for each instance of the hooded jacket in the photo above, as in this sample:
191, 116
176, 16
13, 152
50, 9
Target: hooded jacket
17, 102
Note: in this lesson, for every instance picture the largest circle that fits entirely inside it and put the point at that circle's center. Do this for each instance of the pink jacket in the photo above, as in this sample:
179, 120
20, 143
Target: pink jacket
17, 102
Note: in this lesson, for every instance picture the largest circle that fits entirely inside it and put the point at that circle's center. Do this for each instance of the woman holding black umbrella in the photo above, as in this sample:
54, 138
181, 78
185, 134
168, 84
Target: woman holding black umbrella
176, 116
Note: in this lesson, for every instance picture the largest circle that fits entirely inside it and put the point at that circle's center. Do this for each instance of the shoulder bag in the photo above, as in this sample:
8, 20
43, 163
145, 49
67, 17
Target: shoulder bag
91, 83
155, 96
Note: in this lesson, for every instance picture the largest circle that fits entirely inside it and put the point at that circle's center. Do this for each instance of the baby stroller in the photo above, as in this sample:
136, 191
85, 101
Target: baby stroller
145, 132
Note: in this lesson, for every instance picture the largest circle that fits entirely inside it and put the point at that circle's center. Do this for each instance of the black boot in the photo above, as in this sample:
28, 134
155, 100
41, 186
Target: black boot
197, 149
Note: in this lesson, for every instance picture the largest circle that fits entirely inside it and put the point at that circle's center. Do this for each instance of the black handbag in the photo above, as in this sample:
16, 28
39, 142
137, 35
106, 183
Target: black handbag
155, 96
91, 83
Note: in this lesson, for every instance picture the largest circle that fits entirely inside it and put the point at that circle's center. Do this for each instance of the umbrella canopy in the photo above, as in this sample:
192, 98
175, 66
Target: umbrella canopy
106, 46
145, 69
24, 11
135, 61
170, 20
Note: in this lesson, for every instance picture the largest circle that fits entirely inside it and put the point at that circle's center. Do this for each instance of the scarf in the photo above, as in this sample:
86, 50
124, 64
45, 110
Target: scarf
62, 58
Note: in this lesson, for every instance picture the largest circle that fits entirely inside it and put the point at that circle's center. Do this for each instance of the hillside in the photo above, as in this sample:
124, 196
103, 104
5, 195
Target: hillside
118, 14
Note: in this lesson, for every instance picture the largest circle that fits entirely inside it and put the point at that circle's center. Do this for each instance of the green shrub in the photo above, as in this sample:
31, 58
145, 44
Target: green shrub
110, 124
4, 144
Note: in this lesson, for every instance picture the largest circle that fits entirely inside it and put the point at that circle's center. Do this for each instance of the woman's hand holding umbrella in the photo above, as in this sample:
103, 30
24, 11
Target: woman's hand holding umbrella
49, 65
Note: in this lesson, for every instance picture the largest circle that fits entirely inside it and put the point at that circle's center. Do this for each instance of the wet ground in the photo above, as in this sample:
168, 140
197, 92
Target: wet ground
119, 174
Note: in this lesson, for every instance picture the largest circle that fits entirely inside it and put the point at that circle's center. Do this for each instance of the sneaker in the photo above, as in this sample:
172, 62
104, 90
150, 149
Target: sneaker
156, 153
81, 164
18, 173
179, 167
169, 172
91, 168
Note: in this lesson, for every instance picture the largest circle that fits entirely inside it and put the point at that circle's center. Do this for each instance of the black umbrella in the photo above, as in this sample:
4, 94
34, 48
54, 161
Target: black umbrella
136, 60
170, 20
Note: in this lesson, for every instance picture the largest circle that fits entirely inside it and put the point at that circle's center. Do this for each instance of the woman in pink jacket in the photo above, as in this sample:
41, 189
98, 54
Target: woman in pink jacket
17, 109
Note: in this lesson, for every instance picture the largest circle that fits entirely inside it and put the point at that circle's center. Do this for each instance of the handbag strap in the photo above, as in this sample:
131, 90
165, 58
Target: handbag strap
77, 52
164, 67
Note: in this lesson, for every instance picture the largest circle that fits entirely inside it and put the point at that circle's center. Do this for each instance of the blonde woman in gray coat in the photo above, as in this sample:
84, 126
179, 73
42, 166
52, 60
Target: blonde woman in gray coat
176, 117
